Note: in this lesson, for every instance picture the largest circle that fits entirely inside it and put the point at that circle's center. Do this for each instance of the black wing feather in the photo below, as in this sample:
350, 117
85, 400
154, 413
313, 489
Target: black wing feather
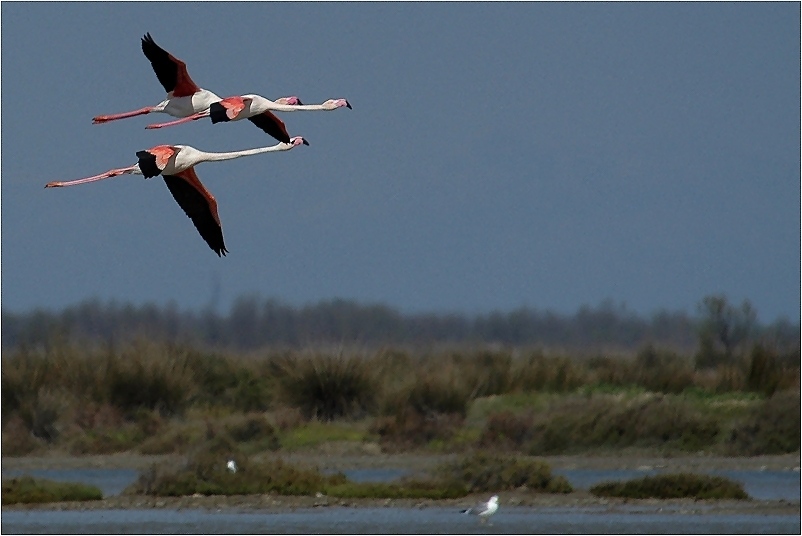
197, 208
271, 124
163, 64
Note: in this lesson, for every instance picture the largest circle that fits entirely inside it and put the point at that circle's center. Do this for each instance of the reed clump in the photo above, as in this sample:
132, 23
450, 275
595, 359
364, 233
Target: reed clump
327, 387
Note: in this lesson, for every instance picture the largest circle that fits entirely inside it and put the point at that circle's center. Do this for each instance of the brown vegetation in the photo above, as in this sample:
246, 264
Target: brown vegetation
163, 398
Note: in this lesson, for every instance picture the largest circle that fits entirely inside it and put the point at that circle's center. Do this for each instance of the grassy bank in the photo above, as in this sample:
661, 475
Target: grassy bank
27, 490
205, 471
162, 399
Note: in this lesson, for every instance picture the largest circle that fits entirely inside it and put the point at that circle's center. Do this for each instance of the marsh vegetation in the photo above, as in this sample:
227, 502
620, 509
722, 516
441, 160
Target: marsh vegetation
735, 393
158, 398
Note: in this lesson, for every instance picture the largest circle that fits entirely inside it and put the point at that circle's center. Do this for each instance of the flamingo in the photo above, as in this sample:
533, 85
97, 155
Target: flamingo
254, 108
176, 164
185, 97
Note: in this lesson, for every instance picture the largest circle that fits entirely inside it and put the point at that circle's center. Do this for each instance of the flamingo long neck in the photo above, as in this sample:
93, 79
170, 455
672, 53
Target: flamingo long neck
219, 157
297, 107
262, 104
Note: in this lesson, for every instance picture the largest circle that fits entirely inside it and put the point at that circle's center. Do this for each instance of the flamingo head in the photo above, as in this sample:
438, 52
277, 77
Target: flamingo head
298, 140
333, 104
289, 101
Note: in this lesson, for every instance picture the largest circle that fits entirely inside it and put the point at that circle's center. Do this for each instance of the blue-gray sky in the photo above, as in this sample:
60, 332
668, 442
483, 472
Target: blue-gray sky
498, 155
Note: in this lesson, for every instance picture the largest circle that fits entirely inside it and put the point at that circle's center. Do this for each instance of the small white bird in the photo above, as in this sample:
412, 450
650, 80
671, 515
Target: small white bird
232, 466
484, 510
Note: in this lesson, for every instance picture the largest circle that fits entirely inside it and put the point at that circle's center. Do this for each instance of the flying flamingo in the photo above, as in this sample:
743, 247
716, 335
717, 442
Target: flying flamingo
184, 97
175, 163
254, 108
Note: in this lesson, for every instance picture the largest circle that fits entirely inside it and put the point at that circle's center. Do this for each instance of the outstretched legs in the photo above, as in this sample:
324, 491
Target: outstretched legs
106, 118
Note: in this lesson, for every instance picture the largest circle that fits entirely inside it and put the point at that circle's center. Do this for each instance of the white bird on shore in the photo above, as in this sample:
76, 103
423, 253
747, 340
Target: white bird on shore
232, 466
484, 510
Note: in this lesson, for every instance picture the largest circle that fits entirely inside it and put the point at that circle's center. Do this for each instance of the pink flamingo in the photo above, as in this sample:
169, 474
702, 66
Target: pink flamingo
256, 109
185, 97
176, 164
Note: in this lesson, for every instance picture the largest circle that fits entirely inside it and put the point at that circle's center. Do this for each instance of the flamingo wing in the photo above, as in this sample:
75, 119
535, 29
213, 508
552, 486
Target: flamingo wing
154, 160
272, 125
171, 72
199, 205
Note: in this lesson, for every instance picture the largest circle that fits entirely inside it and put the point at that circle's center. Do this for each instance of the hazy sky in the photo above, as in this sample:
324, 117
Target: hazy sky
497, 155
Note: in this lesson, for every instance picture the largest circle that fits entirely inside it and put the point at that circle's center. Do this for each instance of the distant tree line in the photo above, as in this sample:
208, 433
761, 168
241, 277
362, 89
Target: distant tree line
252, 322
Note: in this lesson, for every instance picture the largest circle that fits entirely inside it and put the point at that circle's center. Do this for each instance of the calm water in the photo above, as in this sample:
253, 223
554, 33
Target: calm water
510, 520
762, 485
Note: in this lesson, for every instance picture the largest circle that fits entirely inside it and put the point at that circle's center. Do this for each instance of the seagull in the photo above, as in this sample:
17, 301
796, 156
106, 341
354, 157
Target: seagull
231, 466
484, 510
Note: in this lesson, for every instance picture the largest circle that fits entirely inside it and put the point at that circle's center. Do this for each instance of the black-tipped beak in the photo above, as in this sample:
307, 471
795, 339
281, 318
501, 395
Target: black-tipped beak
306, 142
348, 105
299, 102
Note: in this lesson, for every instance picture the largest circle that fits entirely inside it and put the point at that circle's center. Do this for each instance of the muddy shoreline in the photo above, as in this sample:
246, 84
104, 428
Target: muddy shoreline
419, 462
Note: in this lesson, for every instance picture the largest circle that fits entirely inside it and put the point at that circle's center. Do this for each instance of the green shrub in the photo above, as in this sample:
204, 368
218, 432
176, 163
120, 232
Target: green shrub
673, 486
26, 489
482, 471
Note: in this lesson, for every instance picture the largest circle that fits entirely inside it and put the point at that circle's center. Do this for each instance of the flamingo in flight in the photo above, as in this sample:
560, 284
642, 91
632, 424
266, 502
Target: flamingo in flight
185, 98
254, 108
176, 164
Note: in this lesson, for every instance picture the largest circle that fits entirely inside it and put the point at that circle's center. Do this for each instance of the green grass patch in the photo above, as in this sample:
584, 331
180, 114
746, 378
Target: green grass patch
316, 433
27, 490
626, 391
673, 486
